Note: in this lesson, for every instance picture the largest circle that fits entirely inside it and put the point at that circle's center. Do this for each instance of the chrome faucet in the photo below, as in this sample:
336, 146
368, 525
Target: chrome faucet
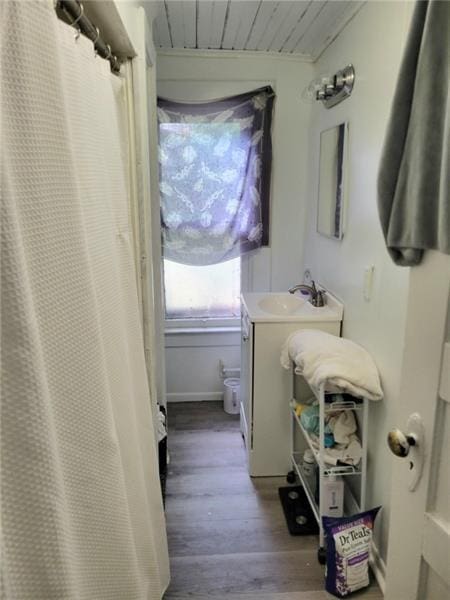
315, 296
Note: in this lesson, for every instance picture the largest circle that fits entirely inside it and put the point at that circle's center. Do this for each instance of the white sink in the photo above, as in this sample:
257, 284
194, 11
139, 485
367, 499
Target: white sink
282, 307
281, 304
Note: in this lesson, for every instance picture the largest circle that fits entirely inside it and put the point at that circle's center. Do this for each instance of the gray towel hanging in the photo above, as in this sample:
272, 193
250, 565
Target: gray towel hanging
413, 182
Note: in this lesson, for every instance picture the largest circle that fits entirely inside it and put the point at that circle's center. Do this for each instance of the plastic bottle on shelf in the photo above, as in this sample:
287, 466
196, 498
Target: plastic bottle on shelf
309, 463
333, 496
309, 469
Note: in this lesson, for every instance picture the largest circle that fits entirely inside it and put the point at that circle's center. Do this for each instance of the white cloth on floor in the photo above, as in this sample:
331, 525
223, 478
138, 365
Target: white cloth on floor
342, 425
162, 429
344, 366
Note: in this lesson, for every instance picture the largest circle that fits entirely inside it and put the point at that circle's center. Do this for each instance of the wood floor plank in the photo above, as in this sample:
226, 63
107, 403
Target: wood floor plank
208, 416
227, 480
218, 508
182, 460
205, 440
239, 535
369, 594
201, 449
188, 423
309, 595
249, 572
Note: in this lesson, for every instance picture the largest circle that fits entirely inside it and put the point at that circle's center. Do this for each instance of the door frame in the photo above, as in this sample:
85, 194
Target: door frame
427, 310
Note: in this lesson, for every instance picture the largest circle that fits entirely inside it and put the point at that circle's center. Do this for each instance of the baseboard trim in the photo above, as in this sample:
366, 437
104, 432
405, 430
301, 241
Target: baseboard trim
194, 397
378, 567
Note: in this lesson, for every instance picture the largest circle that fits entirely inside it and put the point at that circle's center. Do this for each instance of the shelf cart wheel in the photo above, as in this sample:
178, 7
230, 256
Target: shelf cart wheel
291, 477
322, 555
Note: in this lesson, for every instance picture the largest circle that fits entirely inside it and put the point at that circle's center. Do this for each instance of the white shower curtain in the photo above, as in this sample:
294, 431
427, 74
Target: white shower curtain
81, 506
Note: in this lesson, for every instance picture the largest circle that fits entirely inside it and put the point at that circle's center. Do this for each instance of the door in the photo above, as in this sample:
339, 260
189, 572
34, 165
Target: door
418, 562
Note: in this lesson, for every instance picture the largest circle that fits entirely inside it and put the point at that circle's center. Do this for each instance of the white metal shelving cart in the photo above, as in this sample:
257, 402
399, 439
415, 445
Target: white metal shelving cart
355, 493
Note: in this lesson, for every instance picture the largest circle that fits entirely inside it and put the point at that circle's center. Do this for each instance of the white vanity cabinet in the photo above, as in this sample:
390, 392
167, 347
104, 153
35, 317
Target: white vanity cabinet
265, 385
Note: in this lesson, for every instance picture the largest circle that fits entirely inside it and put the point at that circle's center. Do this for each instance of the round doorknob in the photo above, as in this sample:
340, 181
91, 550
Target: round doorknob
399, 443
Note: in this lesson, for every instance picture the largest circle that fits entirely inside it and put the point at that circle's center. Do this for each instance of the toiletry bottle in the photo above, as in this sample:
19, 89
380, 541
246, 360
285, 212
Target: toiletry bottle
333, 496
309, 463
309, 469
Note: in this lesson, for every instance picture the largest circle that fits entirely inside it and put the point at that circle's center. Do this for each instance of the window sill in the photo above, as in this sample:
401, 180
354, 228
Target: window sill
201, 330
197, 326
195, 336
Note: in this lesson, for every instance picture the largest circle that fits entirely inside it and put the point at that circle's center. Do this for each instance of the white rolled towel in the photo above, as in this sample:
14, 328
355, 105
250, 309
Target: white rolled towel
344, 366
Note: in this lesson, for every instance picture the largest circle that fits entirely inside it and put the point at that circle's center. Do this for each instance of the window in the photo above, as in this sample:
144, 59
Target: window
202, 292
215, 164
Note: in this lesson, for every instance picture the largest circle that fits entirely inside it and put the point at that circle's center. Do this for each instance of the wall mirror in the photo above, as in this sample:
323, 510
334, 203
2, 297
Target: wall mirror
332, 170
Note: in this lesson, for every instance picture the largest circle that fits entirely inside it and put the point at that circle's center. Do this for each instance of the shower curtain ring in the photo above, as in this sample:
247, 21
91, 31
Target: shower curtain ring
74, 23
96, 40
108, 56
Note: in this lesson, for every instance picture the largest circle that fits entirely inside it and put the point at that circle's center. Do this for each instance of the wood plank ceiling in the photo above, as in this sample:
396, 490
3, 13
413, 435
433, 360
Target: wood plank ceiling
298, 27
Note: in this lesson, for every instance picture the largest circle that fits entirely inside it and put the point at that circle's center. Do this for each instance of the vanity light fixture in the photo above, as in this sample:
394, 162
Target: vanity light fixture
336, 88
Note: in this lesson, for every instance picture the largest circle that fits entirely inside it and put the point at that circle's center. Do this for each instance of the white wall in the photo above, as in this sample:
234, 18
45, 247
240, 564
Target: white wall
193, 364
192, 369
373, 42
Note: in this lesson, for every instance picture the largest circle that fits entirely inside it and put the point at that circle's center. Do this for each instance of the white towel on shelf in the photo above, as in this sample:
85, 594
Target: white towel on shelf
344, 454
342, 425
344, 366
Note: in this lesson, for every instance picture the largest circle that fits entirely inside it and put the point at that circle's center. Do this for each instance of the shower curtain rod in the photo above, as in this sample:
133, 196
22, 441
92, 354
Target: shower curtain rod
74, 13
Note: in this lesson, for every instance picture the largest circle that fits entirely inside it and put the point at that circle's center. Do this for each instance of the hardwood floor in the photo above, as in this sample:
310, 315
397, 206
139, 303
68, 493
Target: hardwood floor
227, 535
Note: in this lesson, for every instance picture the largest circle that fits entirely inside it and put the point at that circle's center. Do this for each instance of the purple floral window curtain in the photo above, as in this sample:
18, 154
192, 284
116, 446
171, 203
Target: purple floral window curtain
215, 167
